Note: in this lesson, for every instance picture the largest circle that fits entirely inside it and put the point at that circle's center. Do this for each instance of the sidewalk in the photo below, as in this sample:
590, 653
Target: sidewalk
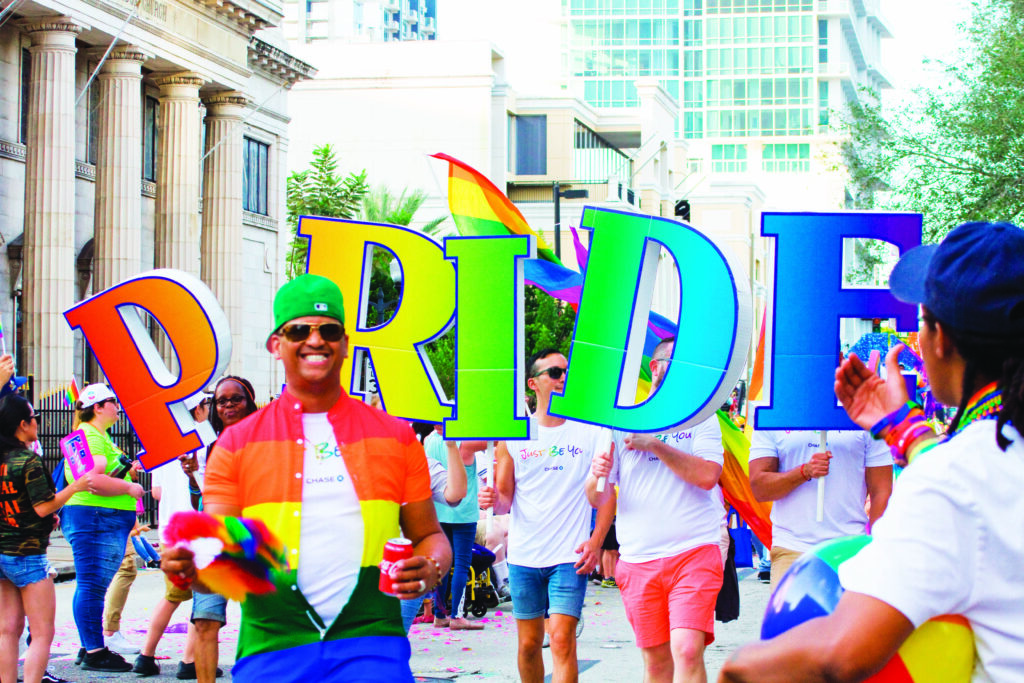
606, 651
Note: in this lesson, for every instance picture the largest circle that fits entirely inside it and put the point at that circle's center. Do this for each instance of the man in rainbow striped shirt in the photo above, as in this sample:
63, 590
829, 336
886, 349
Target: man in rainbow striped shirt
334, 479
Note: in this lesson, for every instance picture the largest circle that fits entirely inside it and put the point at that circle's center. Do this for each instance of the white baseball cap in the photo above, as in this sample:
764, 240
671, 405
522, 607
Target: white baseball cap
94, 393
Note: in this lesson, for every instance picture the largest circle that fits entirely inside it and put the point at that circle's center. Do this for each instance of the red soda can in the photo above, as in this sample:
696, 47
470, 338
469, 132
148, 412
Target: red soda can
394, 550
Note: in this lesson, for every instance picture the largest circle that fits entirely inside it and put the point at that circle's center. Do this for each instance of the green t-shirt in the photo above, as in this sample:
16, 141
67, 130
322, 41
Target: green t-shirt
100, 443
469, 509
24, 482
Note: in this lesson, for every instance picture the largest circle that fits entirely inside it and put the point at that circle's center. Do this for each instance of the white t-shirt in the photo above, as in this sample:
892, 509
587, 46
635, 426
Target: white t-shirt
174, 495
332, 522
794, 518
660, 515
550, 512
950, 542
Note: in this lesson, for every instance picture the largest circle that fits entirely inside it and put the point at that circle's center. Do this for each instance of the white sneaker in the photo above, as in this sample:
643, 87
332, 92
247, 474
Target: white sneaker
121, 645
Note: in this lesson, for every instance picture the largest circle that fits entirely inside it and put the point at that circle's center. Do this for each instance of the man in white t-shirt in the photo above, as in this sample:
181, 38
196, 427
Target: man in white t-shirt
669, 527
551, 550
784, 468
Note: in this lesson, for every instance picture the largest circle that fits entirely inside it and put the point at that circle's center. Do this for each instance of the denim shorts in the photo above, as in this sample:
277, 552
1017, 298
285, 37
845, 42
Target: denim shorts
210, 606
557, 590
21, 571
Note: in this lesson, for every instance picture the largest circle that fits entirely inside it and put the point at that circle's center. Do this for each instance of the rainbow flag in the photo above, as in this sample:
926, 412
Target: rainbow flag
756, 390
735, 481
479, 208
71, 393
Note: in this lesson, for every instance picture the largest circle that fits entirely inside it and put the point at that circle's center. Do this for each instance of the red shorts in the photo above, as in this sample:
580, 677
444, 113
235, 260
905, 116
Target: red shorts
670, 593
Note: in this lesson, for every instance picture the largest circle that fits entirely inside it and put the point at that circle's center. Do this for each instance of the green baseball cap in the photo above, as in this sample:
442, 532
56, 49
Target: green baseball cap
307, 294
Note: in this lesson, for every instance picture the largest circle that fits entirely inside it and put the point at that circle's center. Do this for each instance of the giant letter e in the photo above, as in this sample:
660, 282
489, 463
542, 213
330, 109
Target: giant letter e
808, 301
150, 395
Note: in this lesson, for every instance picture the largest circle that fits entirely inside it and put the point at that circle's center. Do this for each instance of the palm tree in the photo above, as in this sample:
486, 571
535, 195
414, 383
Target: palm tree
382, 206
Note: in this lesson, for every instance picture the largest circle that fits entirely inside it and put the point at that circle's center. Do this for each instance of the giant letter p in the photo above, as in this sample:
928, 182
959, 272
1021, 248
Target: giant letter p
149, 393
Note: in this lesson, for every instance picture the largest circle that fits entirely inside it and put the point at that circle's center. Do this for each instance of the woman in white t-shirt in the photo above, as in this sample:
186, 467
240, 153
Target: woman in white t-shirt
949, 541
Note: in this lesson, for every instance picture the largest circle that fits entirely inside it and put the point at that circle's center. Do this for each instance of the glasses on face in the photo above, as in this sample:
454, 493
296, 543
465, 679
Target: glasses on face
106, 401
225, 401
553, 372
205, 403
663, 360
299, 332
35, 416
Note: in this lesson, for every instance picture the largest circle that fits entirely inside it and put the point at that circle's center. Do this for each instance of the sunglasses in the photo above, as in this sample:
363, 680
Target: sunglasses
229, 401
554, 373
35, 416
299, 332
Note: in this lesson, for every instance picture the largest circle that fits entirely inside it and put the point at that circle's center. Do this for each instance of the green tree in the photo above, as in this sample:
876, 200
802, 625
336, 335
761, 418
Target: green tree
319, 191
956, 152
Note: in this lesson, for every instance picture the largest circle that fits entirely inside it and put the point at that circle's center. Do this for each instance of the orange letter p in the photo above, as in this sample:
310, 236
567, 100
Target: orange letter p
150, 394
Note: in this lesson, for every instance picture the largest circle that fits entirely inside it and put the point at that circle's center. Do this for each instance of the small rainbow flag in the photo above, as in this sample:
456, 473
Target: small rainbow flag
71, 393
481, 209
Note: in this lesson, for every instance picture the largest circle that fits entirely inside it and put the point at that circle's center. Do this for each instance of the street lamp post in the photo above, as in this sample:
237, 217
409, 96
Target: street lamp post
556, 195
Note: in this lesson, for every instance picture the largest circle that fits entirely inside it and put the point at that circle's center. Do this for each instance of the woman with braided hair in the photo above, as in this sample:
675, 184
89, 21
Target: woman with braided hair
950, 541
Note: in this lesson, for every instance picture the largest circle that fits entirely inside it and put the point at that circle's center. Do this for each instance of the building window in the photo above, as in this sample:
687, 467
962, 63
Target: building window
254, 178
728, 158
823, 41
94, 124
531, 145
150, 116
26, 77
786, 158
822, 103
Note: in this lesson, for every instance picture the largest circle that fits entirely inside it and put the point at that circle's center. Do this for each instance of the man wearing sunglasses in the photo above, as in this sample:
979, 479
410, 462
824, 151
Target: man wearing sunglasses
669, 525
334, 479
551, 549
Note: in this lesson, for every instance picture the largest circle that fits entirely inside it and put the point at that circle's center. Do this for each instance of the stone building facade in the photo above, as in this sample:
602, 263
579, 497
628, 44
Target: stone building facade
138, 135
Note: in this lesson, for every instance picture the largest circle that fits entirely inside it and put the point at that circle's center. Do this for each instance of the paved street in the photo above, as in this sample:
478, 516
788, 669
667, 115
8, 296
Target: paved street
606, 649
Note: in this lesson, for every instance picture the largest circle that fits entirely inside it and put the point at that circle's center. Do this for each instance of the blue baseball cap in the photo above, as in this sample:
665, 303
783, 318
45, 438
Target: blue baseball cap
972, 281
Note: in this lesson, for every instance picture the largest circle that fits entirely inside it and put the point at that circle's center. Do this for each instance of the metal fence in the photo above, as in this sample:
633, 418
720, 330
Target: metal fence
57, 419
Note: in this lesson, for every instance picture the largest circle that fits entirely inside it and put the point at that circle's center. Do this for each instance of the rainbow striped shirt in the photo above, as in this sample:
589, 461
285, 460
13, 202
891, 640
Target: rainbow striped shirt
257, 465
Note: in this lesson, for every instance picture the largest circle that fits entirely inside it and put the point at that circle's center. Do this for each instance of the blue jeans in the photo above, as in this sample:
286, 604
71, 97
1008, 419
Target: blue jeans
461, 537
539, 591
21, 571
764, 562
98, 537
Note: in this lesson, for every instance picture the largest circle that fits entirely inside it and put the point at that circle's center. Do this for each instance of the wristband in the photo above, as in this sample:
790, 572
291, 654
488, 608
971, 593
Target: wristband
893, 418
804, 474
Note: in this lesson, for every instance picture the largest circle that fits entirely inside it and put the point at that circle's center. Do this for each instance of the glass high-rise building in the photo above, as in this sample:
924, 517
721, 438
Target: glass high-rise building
756, 80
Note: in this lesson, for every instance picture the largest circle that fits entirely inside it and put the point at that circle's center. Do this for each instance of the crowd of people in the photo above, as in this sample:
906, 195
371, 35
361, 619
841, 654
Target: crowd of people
335, 478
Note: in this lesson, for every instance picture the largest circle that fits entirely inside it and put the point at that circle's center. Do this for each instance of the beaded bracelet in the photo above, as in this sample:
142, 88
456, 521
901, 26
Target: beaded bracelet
893, 418
437, 566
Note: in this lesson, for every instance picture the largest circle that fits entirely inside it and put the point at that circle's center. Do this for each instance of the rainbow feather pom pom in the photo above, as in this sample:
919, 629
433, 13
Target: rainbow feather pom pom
233, 556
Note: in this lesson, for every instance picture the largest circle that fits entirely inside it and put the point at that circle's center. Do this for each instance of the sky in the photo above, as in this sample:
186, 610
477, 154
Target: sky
922, 29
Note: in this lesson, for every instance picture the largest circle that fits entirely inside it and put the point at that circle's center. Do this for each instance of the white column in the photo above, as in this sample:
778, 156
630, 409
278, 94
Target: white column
177, 180
50, 269
118, 212
222, 209
177, 175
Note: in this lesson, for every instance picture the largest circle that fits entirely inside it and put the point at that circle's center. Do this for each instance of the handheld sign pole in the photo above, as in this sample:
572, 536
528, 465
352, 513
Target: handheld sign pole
821, 480
605, 447
490, 483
